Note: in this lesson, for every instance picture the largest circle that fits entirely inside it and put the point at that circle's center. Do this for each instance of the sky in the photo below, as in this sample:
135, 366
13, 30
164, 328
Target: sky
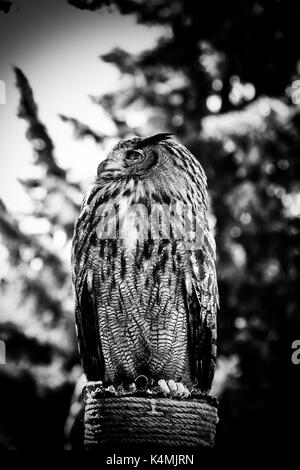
57, 47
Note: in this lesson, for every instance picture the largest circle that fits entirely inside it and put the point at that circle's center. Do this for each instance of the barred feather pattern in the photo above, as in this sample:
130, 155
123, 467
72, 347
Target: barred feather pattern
146, 305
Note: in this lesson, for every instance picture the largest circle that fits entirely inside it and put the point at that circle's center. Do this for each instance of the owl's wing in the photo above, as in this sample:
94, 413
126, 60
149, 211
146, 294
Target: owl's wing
88, 334
202, 301
85, 303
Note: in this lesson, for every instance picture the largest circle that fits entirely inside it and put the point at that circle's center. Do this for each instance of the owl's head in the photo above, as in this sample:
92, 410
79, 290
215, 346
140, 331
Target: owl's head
136, 156
157, 163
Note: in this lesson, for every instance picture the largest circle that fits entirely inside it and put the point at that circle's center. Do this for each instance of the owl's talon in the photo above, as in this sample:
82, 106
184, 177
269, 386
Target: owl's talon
172, 386
141, 382
173, 389
132, 387
186, 392
164, 387
180, 389
112, 389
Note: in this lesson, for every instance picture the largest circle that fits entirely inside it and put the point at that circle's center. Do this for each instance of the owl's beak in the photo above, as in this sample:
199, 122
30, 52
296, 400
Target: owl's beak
108, 168
101, 168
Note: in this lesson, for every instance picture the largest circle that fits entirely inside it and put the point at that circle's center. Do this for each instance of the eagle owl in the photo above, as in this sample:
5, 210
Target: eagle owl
144, 273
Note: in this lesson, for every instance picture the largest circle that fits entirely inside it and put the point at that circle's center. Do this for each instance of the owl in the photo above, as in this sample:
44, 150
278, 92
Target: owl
143, 269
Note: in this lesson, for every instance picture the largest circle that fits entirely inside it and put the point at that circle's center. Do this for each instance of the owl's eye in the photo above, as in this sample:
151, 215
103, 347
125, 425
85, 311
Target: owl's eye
134, 156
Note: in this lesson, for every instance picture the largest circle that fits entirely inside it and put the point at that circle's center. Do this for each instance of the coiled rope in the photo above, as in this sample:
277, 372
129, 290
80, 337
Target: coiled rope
148, 418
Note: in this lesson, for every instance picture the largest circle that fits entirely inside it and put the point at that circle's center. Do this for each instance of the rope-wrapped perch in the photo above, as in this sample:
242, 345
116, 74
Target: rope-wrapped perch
148, 418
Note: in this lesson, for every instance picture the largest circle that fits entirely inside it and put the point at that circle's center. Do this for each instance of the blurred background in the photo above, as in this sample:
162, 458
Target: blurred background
224, 77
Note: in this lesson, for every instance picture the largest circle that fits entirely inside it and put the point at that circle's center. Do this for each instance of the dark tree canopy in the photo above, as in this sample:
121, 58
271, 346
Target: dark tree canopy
255, 41
240, 59
224, 78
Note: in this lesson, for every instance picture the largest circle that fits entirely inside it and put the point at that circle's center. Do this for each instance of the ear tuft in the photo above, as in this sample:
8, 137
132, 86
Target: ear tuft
154, 139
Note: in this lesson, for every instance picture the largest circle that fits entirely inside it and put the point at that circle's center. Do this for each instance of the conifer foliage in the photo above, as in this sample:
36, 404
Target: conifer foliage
224, 78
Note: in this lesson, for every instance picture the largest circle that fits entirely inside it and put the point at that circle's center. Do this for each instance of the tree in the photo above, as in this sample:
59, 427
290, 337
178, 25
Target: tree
225, 79
36, 300
217, 58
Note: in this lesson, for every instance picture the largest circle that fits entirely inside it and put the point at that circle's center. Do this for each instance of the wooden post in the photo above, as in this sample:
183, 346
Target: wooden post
147, 419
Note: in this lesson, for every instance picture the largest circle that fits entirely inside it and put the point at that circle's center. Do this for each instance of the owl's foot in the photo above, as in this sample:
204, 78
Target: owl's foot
127, 388
174, 389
